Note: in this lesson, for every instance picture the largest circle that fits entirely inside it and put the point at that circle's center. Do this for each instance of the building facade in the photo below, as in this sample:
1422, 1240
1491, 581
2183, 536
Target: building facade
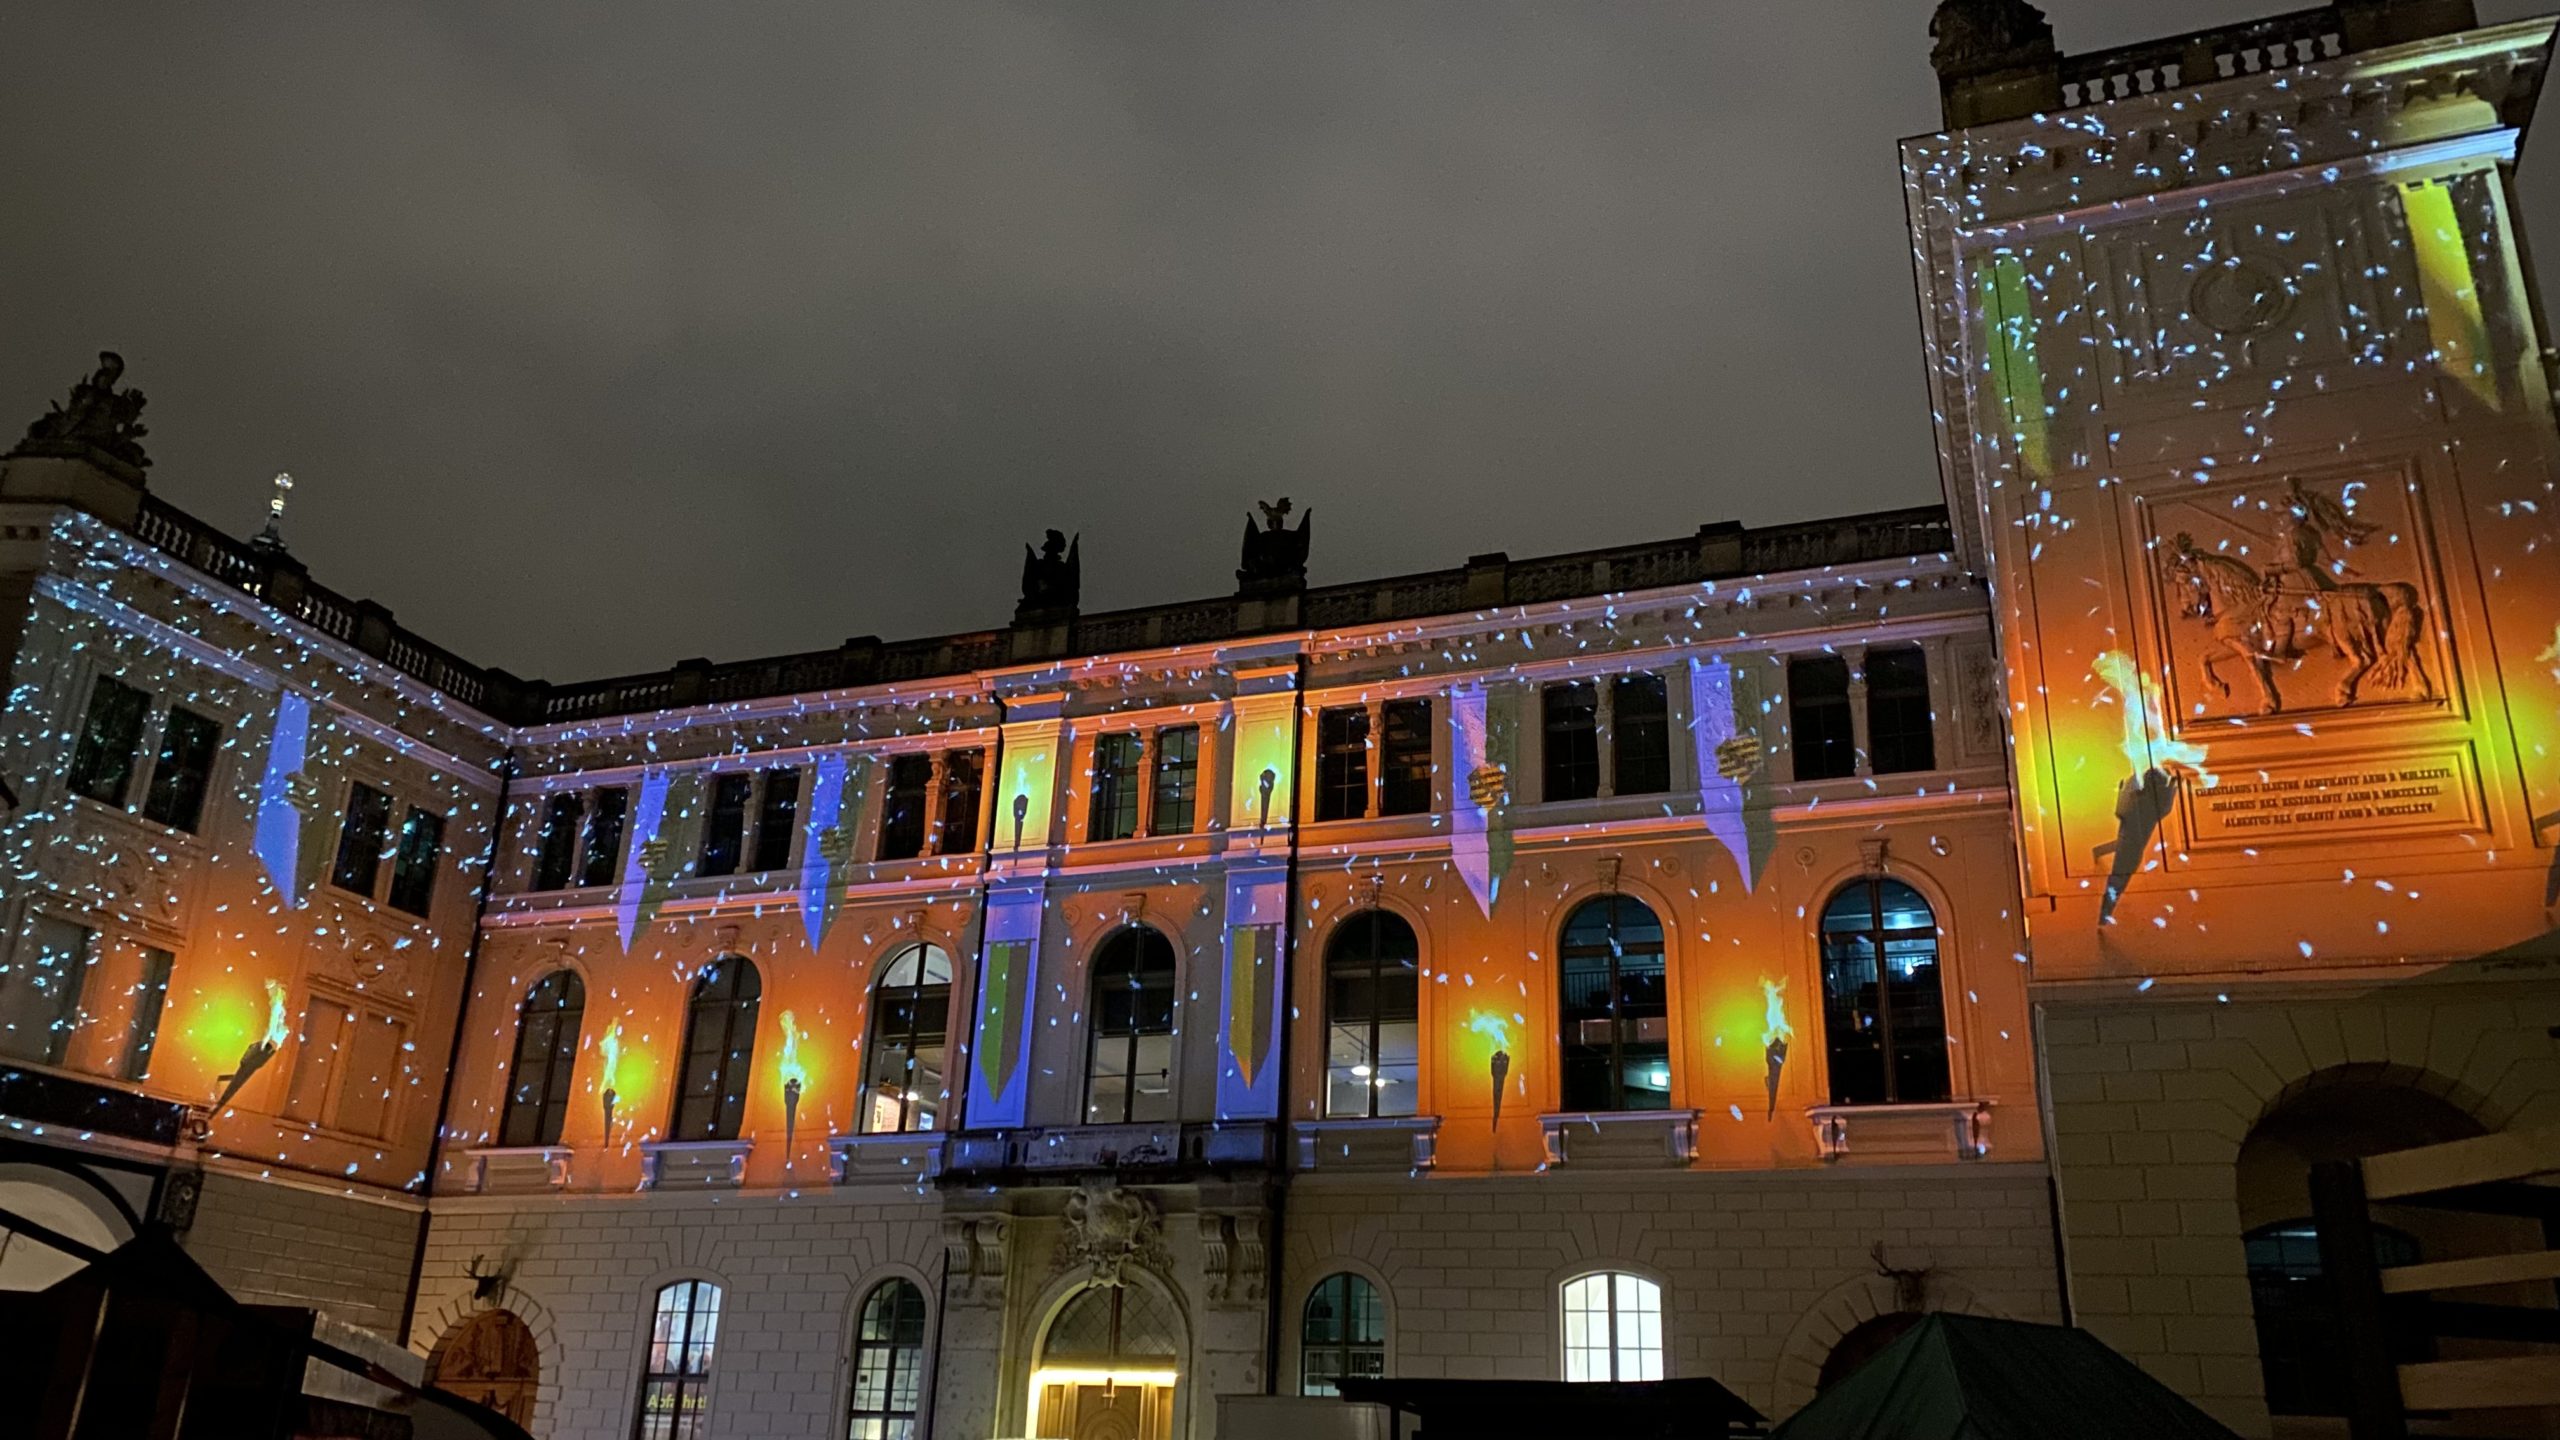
1688, 958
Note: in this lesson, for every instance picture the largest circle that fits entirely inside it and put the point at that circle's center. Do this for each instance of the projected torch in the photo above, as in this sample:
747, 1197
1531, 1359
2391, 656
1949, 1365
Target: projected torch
793, 1074
1775, 1032
609, 1045
260, 1051
1492, 1028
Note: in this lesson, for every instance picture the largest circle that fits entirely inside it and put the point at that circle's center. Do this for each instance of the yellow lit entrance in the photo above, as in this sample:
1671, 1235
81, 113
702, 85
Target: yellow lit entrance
1108, 1367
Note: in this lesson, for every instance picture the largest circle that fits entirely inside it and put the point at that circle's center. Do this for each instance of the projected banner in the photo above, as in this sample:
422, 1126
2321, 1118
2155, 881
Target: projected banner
1724, 705
664, 841
280, 824
1008, 974
1484, 740
842, 786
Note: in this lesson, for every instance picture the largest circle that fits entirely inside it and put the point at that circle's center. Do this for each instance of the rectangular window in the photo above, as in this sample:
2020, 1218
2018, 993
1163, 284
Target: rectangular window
559, 847
1818, 703
1342, 763
150, 996
1573, 741
603, 852
327, 1026
373, 1074
413, 869
1115, 788
777, 813
1640, 734
360, 839
187, 744
963, 779
1404, 758
102, 763
724, 834
40, 990
1177, 779
902, 823
1901, 732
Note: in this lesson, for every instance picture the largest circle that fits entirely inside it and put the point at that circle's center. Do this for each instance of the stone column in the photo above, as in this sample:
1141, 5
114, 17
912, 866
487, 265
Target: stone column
1376, 758
1856, 655
1604, 690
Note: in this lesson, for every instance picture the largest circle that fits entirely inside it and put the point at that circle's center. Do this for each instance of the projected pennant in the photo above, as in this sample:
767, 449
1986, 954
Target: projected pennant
1724, 706
279, 838
1484, 733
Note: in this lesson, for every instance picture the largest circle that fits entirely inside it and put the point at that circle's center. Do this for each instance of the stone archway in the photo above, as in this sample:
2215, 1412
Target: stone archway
490, 1358
1850, 1307
1109, 1362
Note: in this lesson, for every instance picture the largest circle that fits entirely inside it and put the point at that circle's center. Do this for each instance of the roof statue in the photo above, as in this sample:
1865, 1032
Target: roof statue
1050, 578
1978, 36
1275, 556
98, 417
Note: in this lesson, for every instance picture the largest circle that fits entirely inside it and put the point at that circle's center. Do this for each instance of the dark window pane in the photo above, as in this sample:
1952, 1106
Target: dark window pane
1404, 786
888, 1363
1342, 763
1372, 1006
1616, 1045
1640, 722
2301, 1344
150, 998
102, 763
1129, 1066
1573, 741
1818, 701
1886, 1043
963, 780
776, 814
1177, 779
1343, 1333
361, 838
902, 823
40, 989
559, 846
413, 872
903, 1073
176, 796
724, 831
719, 1049
547, 1029
603, 854
1114, 814
1901, 735
674, 1381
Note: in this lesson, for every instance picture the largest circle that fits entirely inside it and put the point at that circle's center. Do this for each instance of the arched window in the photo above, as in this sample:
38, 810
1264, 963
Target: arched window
1617, 1030
1343, 1333
719, 1045
1612, 1327
674, 1386
902, 1080
1372, 991
1129, 1067
546, 1050
1887, 1042
888, 1363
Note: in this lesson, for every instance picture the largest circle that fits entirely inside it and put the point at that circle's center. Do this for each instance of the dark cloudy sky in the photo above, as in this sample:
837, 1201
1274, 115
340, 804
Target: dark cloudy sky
599, 336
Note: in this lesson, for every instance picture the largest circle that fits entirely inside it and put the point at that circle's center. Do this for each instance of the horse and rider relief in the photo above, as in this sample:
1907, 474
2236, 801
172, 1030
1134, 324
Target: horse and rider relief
2287, 600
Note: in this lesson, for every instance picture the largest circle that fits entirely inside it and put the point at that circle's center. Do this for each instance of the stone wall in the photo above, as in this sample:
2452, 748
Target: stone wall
271, 1242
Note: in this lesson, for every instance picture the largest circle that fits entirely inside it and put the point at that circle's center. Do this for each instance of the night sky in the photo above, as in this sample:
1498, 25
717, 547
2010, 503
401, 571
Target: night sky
601, 336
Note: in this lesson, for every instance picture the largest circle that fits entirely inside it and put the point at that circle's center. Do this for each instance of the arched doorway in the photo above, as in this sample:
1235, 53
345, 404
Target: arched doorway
1108, 1366
490, 1359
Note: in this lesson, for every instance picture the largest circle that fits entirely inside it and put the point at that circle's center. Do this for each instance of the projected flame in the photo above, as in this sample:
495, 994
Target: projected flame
609, 1046
1775, 1032
1493, 1028
260, 1051
794, 1077
277, 1025
2147, 743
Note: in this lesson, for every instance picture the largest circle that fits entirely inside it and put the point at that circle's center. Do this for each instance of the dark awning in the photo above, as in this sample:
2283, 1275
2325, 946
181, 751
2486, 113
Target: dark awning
1964, 1377
1624, 1410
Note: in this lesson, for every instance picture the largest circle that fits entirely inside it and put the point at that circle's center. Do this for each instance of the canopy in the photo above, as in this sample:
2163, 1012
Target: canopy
1624, 1410
1964, 1377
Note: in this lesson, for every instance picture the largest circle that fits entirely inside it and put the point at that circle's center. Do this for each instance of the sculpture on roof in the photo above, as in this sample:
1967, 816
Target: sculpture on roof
1275, 556
1974, 36
98, 416
1050, 579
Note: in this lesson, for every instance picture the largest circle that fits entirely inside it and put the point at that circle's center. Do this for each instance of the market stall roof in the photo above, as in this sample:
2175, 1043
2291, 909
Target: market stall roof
1623, 1410
1965, 1377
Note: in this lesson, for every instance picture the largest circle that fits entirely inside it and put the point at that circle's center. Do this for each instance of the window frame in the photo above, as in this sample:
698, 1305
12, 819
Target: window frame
1879, 939
1405, 768
596, 866
411, 890
1348, 1349
906, 808
724, 824
1654, 727
1614, 1312
90, 762
1565, 739
1143, 940
1174, 783
356, 866
687, 1379
777, 819
550, 1109
958, 804
1118, 779
64, 1003
923, 951
908, 1359
1342, 787
1831, 749
727, 1101
1371, 921
1614, 947
1896, 743
182, 809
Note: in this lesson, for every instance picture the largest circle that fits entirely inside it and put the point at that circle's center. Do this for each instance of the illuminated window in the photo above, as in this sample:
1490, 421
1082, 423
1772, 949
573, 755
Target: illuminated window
963, 779
902, 1076
1819, 724
188, 742
111, 736
1342, 763
1343, 1333
557, 856
40, 990
1404, 758
1640, 734
1901, 731
1129, 1063
362, 835
1372, 979
2301, 1347
349, 1065
1617, 1031
1612, 1327
1177, 781
724, 830
600, 846
150, 998
674, 1389
902, 822
777, 811
719, 1049
413, 865
888, 1363
1887, 1042
547, 1026
1114, 814
1572, 741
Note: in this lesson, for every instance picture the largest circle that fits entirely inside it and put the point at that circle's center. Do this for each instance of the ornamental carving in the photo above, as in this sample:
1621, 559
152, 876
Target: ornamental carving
1109, 1229
97, 417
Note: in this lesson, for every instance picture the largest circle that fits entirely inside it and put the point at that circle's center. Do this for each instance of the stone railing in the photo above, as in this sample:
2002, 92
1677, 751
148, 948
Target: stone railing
2277, 42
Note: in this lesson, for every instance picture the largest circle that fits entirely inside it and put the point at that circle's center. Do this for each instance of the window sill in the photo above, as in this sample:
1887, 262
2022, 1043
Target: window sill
1928, 1132
516, 1170
1398, 1142
1621, 1139
905, 1157
694, 1164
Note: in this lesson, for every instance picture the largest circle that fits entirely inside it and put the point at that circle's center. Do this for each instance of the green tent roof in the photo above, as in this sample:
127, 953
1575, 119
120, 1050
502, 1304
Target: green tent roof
1964, 1377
